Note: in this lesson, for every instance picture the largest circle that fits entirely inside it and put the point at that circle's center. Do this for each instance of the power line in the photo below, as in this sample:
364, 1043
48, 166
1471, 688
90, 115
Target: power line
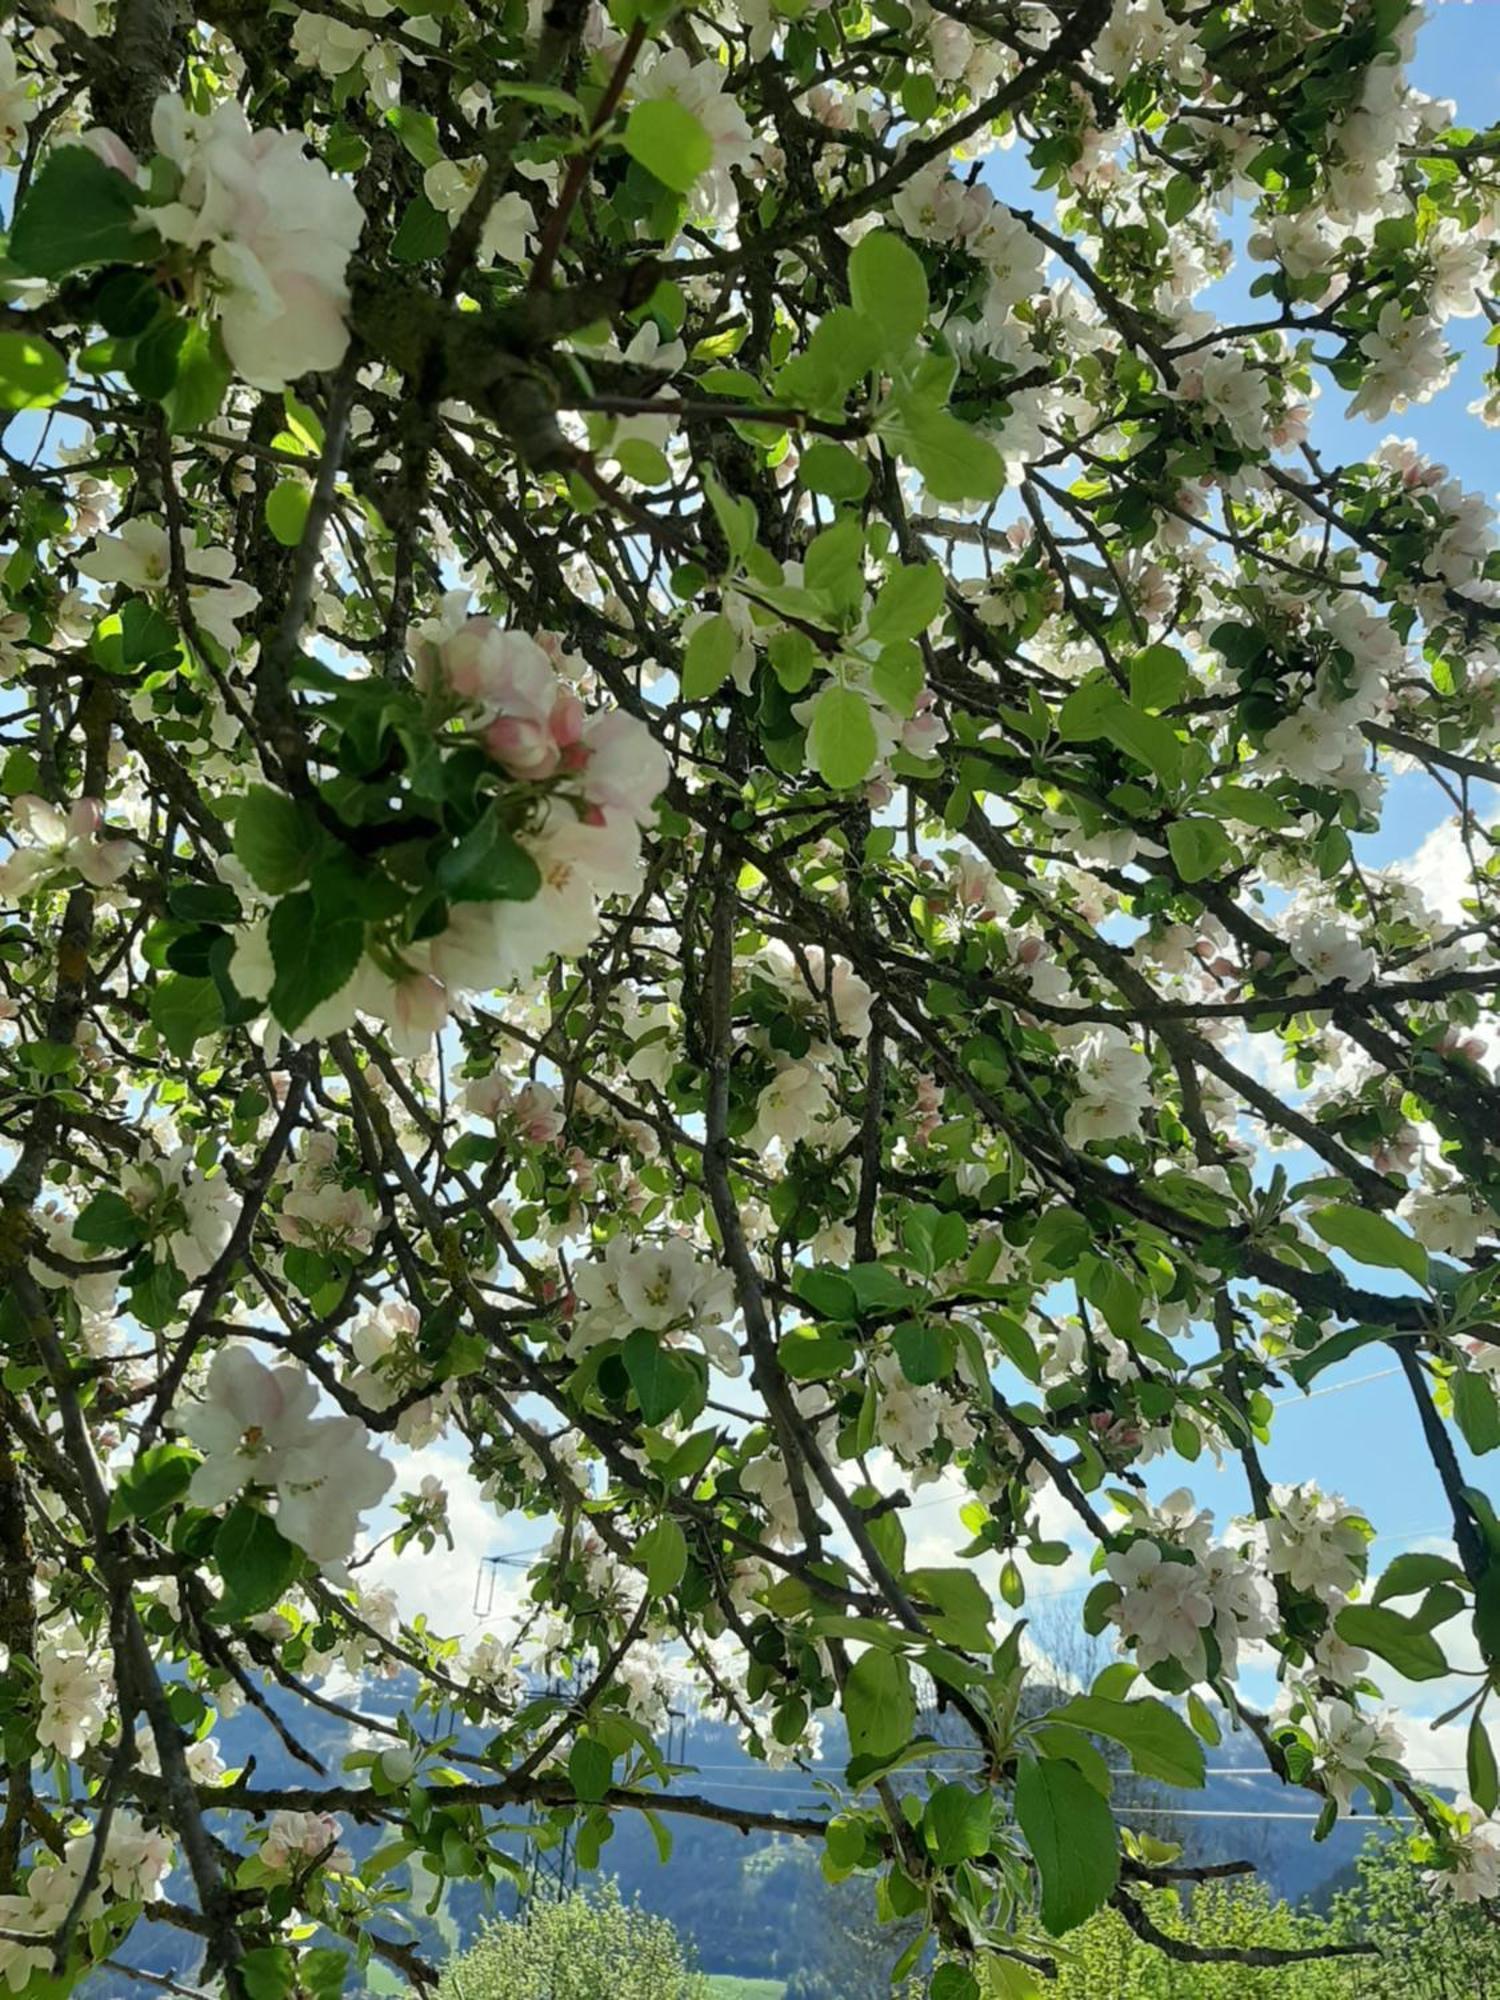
790, 1782
1215, 1812
1333, 1388
804, 1795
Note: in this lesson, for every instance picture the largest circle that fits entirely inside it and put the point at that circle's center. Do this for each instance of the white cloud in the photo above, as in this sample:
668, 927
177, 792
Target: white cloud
442, 1585
1440, 870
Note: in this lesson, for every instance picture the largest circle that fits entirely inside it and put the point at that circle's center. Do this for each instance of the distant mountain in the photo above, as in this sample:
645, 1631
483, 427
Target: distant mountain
757, 1903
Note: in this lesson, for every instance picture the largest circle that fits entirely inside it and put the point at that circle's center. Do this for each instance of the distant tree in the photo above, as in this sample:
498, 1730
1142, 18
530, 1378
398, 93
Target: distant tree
1430, 1947
1106, 1960
578, 1948
1422, 1945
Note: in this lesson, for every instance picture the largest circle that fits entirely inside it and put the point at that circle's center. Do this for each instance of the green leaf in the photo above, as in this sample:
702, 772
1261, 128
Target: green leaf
276, 840
321, 1973
1183, 193
1199, 848
642, 461
926, 1353
956, 1823
184, 1010
109, 1223
1479, 1761
897, 677
960, 1606
834, 566
32, 372
1370, 1239
255, 1559
155, 1293
269, 1972
77, 212
151, 368
1095, 709
136, 635
423, 234
828, 1292
662, 1380
20, 773
737, 519
662, 1553
908, 602
1159, 1743
418, 133
1158, 677
591, 1770
1059, 1240
489, 865
1255, 808
1408, 1575
159, 1477
665, 138
1476, 1411
1085, 714
833, 469
1399, 1641
546, 95
814, 1357
843, 349
690, 1458
313, 957
878, 1288
287, 506
203, 377
1071, 1833
879, 1706
708, 657
792, 656
841, 740
889, 286
1204, 1720
1338, 1347
955, 462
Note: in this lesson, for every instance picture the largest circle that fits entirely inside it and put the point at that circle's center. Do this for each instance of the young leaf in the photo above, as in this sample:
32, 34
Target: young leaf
708, 657
662, 1553
287, 506
889, 286
1200, 848
1370, 1239
666, 139
841, 740
909, 600
32, 372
